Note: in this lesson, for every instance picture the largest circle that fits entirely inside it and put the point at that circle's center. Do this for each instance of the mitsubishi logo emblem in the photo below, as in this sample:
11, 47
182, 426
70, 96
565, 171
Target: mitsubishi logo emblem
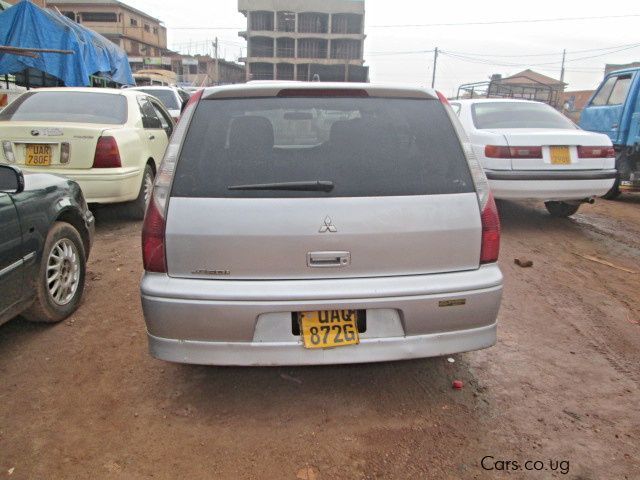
328, 226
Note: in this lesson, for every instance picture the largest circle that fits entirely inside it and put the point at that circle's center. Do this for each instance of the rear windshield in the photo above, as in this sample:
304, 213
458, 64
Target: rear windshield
362, 146
487, 115
83, 107
167, 97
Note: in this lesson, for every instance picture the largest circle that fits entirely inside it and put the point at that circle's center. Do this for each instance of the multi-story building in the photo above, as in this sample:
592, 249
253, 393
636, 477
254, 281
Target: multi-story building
40, 3
136, 32
303, 40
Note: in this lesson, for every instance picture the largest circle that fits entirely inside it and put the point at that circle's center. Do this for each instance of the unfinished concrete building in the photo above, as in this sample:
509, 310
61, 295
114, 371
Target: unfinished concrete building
303, 40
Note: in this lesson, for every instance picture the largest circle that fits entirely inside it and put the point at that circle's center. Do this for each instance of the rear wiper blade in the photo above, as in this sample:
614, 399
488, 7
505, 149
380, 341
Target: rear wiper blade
312, 186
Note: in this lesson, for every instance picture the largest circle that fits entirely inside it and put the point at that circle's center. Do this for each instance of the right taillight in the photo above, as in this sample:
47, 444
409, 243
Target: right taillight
107, 153
596, 152
153, 228
490, 247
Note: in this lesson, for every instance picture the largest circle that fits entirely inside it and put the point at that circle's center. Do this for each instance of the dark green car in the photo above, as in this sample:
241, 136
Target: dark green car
46, 232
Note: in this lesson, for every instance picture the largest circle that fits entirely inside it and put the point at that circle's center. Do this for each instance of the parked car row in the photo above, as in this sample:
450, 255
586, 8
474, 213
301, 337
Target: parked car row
294, 223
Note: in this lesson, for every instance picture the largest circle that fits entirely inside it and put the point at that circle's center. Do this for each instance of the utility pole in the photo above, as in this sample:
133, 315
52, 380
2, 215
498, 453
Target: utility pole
435, 64
564, 55
216, 64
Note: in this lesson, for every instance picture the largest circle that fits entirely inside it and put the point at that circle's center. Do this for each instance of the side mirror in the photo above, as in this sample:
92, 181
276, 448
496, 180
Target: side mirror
11, 179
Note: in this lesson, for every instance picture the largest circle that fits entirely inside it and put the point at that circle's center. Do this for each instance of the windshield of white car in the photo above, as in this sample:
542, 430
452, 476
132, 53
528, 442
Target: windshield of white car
167, 97
488, 115
68, 107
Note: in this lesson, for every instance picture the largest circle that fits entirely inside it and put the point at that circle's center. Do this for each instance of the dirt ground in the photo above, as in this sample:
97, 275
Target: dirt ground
83, 399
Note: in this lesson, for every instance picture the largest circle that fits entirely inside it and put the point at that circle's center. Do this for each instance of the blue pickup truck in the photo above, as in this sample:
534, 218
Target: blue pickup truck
614, 110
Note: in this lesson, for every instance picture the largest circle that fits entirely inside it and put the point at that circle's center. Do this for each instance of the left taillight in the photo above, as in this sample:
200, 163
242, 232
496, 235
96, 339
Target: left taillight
153, 228
107, 153
596, 152
153, 255
8, 151
501, 151
490, 246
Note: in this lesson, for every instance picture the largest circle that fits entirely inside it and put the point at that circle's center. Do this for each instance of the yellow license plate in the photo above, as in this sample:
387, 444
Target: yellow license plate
38, 155
329, 328
560, 156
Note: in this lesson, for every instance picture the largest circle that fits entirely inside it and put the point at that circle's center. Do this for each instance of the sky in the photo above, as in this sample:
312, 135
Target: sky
399, 48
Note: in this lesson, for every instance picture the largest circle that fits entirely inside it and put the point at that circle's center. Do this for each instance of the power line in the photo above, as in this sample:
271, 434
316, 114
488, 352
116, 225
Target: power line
542, 54
503, 22
489, 61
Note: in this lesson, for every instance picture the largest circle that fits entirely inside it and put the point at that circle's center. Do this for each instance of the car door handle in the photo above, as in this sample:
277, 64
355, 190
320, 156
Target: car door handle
152, 137
328, 259
615, 125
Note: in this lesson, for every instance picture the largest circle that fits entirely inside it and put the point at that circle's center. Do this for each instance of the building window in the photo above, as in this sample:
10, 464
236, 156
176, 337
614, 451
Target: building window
133, 22
285, 47
155, 30
286, 22
98, 17
261, 21
311, 22
349, 23
147, 28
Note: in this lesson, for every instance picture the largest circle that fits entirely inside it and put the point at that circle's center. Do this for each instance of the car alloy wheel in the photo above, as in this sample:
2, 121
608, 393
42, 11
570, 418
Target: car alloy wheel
63, 272
148, 187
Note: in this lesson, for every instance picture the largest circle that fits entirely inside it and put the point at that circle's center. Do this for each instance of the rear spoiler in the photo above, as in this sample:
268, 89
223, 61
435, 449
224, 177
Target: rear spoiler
316, 90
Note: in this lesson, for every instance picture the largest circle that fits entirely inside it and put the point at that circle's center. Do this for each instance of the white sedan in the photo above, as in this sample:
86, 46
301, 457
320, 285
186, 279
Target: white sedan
109, 141
530, 150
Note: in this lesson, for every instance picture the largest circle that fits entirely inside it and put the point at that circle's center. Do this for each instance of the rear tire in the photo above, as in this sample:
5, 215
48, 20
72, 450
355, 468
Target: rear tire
138, 207
561, 209
615, 190
60, 281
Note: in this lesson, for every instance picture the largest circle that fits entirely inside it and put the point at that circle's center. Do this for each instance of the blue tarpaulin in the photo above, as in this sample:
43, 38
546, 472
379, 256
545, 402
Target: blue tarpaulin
25, 25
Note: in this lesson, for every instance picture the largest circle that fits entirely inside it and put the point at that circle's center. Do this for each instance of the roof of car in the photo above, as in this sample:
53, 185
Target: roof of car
493, 100
273, 88
154, 87
108, 91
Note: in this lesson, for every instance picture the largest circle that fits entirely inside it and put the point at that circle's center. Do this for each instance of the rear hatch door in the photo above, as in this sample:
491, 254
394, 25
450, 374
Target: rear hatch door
402, 200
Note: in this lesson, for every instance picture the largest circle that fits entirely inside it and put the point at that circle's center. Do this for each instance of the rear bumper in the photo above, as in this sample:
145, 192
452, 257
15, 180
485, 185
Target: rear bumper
103, 185
288, 353
550, 185
249, 322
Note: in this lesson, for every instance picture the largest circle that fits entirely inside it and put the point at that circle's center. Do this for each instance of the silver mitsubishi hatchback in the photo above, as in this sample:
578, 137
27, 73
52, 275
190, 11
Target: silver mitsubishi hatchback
313, 223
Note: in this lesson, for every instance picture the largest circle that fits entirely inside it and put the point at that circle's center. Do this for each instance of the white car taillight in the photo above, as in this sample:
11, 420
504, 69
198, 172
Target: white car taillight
107, 153
490, 246
8, 151
153, 228
64, 152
